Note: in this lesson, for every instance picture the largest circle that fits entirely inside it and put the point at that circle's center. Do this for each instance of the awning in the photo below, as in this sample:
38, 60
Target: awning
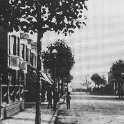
46, 78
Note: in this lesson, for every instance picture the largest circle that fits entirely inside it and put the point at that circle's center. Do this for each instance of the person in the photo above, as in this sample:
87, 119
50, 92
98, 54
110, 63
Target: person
68, 98
64, 97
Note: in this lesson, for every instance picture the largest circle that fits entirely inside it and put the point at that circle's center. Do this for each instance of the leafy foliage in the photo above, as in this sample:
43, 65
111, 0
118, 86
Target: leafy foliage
56, 15
98, 80
63, 62
10, 14
117, 69
68, 78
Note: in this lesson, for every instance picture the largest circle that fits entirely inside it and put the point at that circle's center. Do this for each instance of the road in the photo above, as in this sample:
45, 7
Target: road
92, 109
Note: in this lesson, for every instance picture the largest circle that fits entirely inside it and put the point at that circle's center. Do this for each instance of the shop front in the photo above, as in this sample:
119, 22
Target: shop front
11, 90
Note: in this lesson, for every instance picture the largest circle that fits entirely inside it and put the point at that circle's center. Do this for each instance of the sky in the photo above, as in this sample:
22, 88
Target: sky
100, 43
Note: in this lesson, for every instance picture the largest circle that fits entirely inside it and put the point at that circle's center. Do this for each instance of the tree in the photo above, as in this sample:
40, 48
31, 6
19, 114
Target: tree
51, 15
63, 62
41, 16
117, 70
98, 80
10, 14
69, 78
60, 66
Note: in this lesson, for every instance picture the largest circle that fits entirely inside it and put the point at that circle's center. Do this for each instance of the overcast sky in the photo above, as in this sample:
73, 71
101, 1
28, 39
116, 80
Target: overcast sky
101, 42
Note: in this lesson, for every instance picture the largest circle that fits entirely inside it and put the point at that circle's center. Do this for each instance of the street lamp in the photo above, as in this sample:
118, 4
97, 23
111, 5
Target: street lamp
55, 85
54, 52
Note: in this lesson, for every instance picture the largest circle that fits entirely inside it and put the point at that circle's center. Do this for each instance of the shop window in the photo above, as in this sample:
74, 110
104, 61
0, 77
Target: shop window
10, 78
3, 79
21, 78
17, 93
4, 95
12, 94
13, 78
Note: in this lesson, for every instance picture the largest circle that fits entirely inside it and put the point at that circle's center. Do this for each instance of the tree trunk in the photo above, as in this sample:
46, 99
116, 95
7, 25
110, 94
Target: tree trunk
38, 100
119, 88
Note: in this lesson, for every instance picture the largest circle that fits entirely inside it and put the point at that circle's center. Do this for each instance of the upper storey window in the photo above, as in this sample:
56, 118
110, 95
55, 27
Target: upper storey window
14, 45
22, 51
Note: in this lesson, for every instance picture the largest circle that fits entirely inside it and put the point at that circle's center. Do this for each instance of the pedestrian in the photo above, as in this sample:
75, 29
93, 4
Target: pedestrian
68, 98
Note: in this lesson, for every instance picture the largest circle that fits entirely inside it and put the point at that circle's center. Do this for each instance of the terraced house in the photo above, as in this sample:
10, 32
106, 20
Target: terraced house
18, 55
18, 72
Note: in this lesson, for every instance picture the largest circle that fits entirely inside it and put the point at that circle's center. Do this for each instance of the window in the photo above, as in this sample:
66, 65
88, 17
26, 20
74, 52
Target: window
14, 43
14, 46
21, 78
35, 63
34, 60
18, 46
31, 59
27, 54
22, 51
21, 48
11, 42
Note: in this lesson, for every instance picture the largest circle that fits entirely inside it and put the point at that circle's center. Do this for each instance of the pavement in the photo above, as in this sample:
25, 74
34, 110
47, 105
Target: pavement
48, 116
